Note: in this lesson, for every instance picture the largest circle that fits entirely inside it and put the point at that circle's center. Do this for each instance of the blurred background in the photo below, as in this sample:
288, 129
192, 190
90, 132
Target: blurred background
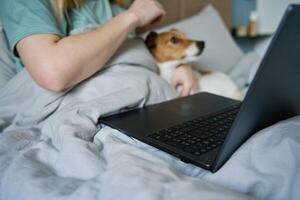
267, 15
251, 22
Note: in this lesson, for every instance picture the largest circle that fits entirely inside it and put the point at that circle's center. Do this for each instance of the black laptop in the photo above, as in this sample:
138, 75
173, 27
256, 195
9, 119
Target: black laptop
205, 129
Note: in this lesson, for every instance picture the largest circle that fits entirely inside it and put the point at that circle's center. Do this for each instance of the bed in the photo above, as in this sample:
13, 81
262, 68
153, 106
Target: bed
52, 147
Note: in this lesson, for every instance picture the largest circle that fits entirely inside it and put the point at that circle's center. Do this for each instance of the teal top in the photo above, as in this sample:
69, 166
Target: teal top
92, 12
22, 18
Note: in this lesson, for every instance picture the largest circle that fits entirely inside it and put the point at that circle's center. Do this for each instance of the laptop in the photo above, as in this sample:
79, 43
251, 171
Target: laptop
206, 129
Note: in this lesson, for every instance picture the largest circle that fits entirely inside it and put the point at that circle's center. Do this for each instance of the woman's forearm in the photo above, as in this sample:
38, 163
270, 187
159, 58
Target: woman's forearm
58, 63
87, 53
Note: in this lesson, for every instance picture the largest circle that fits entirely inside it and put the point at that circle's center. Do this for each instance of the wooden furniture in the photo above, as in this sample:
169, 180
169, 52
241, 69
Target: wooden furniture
181, 9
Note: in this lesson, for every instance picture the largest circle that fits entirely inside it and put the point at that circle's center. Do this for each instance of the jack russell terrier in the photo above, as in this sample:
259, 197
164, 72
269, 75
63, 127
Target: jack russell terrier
172, 49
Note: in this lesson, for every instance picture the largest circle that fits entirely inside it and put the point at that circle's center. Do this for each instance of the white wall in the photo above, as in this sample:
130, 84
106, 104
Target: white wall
270, 13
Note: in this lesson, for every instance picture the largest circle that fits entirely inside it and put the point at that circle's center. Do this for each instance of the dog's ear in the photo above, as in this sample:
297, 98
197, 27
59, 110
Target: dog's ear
150, 40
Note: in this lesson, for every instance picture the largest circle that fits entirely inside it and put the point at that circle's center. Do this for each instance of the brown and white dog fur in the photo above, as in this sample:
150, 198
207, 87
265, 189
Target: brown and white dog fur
172, 49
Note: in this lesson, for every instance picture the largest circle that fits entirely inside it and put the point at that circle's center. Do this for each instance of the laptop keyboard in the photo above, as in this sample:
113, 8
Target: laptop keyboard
200, 135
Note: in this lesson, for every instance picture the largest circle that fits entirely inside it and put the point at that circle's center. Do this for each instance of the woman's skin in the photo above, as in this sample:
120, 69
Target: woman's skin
57, 63
183, 76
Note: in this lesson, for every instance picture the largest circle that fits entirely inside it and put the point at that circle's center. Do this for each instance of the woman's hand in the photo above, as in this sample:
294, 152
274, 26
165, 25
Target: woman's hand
147, 11
183, 76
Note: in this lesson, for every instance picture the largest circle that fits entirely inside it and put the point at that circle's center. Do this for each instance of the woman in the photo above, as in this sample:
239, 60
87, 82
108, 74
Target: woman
37, 31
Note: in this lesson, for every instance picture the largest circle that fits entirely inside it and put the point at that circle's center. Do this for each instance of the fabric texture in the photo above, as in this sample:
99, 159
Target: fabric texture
24, 18
221, 52
57, 150
7, 65
93, 12
245, 69
54, 150
264, 167
135, 53
52, 147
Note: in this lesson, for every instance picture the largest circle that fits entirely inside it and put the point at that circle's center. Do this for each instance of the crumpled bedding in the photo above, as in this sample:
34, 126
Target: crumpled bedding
7, 66
265, 167
245, 69
51, 147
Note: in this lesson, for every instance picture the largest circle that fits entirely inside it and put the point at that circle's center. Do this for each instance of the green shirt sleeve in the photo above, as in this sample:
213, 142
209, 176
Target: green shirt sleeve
93, 12
22, 18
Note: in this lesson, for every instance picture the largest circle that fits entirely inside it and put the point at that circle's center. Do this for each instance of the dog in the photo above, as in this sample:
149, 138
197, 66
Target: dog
173, 48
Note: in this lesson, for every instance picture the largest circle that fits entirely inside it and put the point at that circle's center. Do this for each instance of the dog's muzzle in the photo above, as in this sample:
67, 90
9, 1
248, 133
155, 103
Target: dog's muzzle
201, 46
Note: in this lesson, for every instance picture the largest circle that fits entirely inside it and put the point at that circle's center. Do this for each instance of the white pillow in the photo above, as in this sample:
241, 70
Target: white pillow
7, 66
221, 52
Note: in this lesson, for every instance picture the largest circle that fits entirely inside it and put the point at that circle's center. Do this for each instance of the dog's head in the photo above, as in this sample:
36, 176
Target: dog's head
173, 45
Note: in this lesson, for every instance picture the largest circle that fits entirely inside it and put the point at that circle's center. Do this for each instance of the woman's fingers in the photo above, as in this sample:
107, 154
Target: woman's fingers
183, 76
174, 82
147, 11
184, 92
194, 89
162, 9
187, 89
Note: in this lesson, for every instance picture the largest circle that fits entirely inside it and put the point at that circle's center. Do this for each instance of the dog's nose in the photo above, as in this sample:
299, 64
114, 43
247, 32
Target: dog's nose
201, 45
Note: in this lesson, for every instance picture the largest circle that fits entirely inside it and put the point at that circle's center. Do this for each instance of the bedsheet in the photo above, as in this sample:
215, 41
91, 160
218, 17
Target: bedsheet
51, 147
265, 167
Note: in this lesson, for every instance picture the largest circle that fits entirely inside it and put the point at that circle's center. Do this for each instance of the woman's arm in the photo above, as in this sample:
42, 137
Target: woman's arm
58, 63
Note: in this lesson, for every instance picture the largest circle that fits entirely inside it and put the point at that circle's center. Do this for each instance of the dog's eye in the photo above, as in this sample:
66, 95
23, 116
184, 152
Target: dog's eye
174, 40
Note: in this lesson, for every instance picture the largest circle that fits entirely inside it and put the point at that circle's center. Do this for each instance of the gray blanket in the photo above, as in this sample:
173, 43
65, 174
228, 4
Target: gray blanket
48, 148
51, 147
